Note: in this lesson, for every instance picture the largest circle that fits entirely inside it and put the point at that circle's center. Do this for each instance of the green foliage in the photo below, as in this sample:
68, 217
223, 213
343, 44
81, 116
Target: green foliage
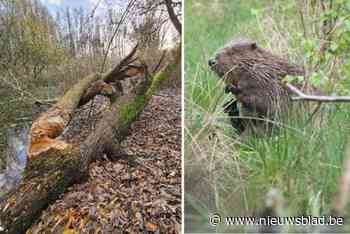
326, 46
303, 159
30, 32
37, 44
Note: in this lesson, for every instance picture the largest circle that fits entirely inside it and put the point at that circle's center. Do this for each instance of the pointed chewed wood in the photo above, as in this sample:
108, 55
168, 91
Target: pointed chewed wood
50, 124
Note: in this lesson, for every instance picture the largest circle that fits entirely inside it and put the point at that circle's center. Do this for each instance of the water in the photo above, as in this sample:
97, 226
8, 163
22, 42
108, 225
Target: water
16, 159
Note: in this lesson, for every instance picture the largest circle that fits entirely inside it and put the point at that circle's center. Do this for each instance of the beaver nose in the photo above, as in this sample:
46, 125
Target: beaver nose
211, 62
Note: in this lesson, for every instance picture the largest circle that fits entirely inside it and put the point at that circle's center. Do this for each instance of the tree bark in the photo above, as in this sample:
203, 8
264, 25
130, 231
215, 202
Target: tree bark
47, 175
45, 130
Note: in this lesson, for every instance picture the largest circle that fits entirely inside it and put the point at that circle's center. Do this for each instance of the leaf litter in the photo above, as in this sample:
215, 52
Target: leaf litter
140, 193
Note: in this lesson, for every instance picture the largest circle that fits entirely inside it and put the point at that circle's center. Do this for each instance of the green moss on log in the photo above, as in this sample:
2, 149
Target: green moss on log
53, 160
44, 190
129, 112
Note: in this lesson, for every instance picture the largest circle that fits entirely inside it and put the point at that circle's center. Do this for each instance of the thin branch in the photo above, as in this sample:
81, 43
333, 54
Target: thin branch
17, 87
300, 10
159, 63
94, 9
318, 107
315, 98
123, 17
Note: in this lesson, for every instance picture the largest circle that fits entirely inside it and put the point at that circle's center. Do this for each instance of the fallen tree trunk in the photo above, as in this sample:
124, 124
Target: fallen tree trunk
49, 173
45, 130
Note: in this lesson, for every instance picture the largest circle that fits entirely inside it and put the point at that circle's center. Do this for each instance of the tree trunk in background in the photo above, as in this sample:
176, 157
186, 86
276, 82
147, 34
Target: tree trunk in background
70, 32
172, 16
48, 175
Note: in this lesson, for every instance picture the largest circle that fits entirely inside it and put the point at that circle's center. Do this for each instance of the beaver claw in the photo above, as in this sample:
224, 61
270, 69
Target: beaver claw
230, 88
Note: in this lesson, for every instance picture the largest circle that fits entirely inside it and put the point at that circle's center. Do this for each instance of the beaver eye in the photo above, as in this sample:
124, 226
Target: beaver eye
253, 46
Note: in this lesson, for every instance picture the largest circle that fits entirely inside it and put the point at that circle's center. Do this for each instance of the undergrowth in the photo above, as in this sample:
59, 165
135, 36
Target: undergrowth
303, 160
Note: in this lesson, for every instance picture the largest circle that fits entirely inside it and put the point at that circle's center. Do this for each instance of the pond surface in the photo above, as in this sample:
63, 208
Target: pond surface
16, 158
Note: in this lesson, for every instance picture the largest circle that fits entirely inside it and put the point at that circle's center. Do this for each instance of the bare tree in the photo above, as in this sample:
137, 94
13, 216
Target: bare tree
70, 32
172, 7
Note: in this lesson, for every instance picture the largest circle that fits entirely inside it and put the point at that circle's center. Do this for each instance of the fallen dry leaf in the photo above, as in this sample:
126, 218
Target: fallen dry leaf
151, 227
139, 193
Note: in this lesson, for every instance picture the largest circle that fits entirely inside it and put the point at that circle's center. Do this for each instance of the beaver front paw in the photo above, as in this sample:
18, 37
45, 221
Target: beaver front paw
231, 108
230, 88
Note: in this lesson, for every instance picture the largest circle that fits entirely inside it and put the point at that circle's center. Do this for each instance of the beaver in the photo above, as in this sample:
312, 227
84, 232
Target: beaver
253, 75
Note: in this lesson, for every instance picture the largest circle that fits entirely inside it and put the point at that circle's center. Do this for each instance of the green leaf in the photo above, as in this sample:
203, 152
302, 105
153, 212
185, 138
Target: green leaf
254, 11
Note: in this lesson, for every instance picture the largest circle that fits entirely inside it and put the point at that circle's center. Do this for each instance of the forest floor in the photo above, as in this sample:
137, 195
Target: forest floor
138, 193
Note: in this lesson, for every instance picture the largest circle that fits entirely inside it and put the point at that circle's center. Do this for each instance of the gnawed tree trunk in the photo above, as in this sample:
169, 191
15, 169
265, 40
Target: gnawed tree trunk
45, 130
51, 171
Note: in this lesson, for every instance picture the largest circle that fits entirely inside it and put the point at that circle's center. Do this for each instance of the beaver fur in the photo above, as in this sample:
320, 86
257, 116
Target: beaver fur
254, 75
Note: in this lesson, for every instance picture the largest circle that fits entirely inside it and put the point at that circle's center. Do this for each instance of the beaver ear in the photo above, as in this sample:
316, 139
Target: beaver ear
254, 45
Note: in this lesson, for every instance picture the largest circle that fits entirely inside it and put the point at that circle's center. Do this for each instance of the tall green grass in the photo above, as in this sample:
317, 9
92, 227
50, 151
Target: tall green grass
303, 159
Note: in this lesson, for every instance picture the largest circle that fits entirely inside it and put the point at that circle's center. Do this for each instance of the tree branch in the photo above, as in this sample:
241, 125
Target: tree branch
123, 17
315, 98
172, 16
